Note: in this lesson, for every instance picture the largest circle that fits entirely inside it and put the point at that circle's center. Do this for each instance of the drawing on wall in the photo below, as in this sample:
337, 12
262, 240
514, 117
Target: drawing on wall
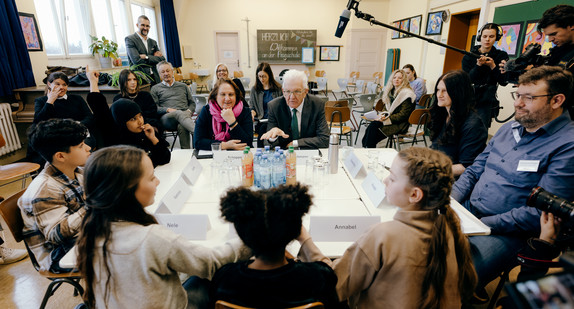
531, 35
30, 31
329, 53
434, 23
509, 40
395, 34
415, 24
404, 26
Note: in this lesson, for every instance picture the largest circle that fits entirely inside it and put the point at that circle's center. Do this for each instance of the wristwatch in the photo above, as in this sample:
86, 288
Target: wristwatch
146, 57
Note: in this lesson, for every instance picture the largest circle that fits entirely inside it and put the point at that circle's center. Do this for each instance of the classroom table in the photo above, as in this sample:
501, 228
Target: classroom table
338, 195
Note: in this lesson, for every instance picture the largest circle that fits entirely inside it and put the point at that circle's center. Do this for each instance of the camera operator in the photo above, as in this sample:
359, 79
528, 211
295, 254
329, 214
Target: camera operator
535, 150
483, 72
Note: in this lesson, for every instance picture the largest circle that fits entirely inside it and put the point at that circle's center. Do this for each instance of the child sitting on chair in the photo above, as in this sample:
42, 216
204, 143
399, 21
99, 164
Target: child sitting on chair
267, 221
421, 259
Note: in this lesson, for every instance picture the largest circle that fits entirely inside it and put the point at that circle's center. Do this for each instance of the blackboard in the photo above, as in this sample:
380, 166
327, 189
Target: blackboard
283, 46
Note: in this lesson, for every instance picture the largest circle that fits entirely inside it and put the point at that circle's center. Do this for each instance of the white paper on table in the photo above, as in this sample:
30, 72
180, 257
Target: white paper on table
205, 153
340, 228
173, 200
469, 224
193, 227
374, 188
192, 171
354, 165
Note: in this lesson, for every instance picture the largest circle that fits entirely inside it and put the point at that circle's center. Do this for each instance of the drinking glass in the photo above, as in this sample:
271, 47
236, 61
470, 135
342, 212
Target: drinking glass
373, 160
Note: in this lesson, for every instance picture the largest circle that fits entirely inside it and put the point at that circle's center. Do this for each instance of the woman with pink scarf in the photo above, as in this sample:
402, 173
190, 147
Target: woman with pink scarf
226, 119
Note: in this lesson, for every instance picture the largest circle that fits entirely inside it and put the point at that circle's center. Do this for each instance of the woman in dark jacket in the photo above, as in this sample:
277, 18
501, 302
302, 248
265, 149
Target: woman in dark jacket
265, 90
135, 132
455, 128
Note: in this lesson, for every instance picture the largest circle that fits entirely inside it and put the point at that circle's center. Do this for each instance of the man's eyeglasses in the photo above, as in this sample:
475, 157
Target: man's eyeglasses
528, 98
289, 92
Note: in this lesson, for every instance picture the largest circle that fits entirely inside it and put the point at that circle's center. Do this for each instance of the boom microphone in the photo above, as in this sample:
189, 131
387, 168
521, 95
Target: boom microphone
343, 20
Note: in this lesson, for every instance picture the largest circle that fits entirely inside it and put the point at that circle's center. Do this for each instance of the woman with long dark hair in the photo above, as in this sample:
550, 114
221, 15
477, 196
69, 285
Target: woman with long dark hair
455, 128
265, 90
130, 89
126, 258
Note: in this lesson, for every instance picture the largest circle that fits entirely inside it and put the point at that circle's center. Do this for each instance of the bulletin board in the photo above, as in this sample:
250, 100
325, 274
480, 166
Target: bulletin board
284, 46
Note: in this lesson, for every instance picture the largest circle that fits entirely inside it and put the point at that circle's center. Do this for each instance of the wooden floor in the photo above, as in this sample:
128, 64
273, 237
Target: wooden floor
20, 285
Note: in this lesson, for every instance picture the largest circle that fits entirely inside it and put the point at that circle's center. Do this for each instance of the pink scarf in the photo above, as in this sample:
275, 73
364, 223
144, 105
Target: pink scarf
219, 125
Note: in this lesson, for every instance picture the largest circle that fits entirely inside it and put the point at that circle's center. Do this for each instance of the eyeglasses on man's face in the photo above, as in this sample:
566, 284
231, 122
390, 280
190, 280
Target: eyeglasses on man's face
528, 98
289, 92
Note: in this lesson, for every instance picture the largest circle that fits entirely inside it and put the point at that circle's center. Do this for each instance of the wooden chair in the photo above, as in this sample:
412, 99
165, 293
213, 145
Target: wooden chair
16, 171
377, 76
320, 73
353, 78
425, 100
418, 119
321, 86
220, 304
237, 74
13, 218
342, 83
338, 113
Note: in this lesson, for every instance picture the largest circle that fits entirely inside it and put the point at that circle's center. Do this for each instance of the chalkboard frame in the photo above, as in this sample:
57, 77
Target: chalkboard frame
284, 46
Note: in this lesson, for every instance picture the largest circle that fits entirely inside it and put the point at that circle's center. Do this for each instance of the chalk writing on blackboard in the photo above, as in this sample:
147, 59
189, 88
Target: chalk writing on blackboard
284, 46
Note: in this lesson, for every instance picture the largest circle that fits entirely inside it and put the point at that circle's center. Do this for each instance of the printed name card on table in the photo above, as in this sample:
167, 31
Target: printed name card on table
234, 156
192, 227
173, 201
374, 188
340, 228
192, 171
303, 155
354, 165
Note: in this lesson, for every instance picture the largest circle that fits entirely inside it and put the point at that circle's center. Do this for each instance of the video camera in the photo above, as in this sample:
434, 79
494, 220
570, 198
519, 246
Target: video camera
531, 56
560, 208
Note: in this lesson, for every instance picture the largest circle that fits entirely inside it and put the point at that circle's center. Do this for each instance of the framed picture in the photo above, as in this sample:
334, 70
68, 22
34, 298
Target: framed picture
329, 53
531, 35
509, 40
30, 31
404, 26
415, 24
434, 23
307, 54
395, 34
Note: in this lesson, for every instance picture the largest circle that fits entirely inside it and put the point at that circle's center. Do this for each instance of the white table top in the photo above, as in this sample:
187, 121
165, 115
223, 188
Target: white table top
341, 195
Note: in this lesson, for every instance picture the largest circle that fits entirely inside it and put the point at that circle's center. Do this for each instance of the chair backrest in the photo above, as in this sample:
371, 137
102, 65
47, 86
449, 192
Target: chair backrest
377, 76
419, 116
237, 74
12, 216
2, 140
245, 81
379, 106
319, 73
367, 101
193, 76
372, 88
220, 304
425, 100
200, 102
354, 75
321, 82
339, 114
342, 83
193, 88
360, 84
279, 79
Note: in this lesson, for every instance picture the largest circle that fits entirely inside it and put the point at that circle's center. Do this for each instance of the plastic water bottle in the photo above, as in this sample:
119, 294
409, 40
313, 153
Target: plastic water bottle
265, 172
291, 164
257, 169
277, 148
283, 166
278, 170
247, 168
267, 150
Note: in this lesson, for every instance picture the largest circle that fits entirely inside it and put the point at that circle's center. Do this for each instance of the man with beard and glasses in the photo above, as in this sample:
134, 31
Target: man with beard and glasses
535, 150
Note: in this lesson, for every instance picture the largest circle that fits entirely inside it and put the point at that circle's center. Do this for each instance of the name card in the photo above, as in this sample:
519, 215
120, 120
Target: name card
374, 188
173, 201
192, 227
233, 155
192, 171
354, 165
340, 228
303, 155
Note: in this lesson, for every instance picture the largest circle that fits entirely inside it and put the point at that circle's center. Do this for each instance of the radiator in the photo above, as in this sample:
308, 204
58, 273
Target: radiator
8, 130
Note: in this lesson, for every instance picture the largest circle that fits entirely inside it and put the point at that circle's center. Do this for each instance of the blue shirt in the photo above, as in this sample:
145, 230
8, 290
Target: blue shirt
419, 88
498, 190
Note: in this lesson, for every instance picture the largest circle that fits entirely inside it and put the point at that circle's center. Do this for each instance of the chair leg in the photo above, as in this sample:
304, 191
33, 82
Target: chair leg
55, 284
358, 131
496, 294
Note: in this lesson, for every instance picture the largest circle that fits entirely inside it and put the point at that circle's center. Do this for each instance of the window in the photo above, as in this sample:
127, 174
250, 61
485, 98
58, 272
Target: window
66, 25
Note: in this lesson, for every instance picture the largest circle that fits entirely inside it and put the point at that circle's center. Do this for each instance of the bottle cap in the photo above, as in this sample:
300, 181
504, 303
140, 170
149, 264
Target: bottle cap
334, 139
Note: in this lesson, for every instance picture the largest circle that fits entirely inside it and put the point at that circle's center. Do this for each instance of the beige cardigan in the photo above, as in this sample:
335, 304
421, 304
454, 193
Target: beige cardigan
145, 260
385, 267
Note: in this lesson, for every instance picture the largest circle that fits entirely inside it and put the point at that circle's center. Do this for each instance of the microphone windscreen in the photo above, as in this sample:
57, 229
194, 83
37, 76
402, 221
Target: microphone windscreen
343, 20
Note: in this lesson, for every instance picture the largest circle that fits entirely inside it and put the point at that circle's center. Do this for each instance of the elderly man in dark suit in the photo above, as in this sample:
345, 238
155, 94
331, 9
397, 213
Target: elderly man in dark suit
144, 51
297, 118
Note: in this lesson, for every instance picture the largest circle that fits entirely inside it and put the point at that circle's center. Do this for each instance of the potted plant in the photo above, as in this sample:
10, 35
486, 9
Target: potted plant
142, 77
107, 49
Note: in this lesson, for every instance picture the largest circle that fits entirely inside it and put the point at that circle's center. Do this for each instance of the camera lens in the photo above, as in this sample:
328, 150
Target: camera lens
549, 202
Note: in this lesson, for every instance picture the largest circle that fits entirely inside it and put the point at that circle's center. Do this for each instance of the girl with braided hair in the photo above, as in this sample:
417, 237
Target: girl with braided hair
421, 259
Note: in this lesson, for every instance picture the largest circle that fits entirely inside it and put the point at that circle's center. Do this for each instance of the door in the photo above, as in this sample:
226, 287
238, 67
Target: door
227, 47
366, 54
461, 30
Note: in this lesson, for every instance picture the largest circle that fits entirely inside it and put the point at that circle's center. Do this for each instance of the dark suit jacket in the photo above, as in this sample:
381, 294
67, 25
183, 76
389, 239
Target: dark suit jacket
314, 131
135, 48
